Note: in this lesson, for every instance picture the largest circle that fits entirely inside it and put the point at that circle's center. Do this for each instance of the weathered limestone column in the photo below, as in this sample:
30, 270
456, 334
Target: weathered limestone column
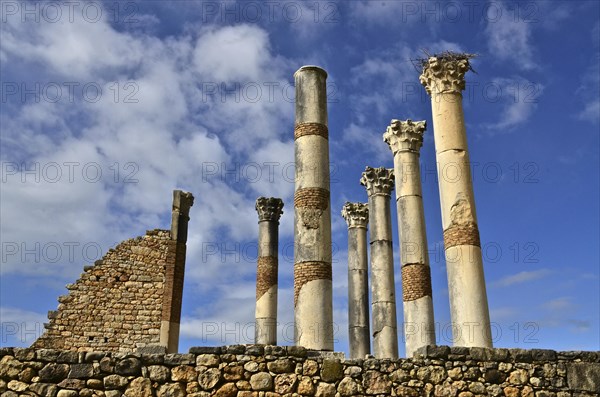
357, 217
173, 290
405, 139
313, 298
444, 78
379, 183
269, 211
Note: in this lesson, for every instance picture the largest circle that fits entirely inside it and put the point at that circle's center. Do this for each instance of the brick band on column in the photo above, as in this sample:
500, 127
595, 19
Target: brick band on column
309, 271
311, 197
467, 234
266, 274
416, 281
304, 129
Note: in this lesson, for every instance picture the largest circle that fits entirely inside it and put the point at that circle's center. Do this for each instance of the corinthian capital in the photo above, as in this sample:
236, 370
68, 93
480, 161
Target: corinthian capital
356, 214
269, 208
445, 74
405, 136
378, 180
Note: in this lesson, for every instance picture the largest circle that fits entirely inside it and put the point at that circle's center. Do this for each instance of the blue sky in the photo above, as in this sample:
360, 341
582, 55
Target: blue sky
108, 107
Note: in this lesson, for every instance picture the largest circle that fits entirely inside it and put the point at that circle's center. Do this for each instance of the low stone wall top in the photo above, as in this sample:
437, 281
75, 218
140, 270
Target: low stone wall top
272, 371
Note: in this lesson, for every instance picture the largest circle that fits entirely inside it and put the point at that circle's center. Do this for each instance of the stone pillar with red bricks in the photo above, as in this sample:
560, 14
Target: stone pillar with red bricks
379, 183
313, 296
359, 340
405, 139
269, 211
174, 273
443, 77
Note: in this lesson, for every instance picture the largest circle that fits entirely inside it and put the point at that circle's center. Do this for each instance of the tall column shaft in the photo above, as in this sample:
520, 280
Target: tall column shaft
313, 297
405, 139
357, 217
443, 78
379, 183
173, 293
269, 211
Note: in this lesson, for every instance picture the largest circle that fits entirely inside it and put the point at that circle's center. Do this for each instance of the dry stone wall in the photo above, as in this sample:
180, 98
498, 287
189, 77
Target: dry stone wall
272, 371
117, 304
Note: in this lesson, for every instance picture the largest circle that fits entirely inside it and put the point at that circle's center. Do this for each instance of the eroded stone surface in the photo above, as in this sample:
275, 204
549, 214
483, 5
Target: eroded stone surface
435, 371
129, 299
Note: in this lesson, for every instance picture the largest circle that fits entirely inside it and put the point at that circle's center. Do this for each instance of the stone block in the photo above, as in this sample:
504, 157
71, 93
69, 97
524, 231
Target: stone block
332, 370
584, 376
205, 350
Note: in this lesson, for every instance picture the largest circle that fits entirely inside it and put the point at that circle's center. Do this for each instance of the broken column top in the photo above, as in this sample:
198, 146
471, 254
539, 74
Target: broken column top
356, 214
405, 136
182, 202
269, 208
378, 181
445, 73
311, 97
311, 68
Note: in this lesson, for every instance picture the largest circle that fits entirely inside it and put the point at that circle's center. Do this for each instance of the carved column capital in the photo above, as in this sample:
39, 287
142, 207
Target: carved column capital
356, 214
378, 181
269, 208
444, 74
405, 136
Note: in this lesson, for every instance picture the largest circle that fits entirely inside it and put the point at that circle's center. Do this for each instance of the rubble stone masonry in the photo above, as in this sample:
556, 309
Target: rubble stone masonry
117, 304
273, 371
124, 300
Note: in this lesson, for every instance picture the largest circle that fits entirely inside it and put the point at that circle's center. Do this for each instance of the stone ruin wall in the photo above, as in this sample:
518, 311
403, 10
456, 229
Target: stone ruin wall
117, 304
129, 299
273, 371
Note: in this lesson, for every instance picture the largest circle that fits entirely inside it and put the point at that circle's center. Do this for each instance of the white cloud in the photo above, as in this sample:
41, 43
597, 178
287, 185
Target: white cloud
379, 151
591, 111
19, 327
559, 304
233, 53
167, 137
590, 83
519, 98
509, 38
521, 277
80, 49
503, 314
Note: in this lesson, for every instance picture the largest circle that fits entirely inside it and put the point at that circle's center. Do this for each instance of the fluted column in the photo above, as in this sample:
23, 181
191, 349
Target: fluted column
405, 139
379, 183
357, 217
313, 298
444, 78
269, 211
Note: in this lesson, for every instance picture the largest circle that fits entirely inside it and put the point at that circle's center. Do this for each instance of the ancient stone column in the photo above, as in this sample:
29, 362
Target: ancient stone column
405, 139
173, 289
357, 217
444, 78
313, 299
269, 211
379, 183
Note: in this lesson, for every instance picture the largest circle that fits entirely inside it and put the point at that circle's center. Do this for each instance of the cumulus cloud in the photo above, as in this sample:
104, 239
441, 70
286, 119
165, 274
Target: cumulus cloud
209, 111
148, 133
